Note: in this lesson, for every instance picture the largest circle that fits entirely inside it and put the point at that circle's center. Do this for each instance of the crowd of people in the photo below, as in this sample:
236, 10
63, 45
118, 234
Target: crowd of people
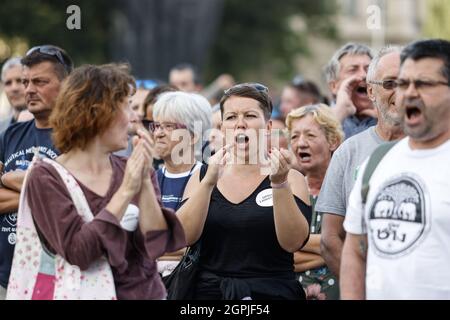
106, 184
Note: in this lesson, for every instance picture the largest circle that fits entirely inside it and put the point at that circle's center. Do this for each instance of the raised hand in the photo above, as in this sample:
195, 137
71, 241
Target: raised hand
216, 164
133, 176
344, 105
148, 149
281, 161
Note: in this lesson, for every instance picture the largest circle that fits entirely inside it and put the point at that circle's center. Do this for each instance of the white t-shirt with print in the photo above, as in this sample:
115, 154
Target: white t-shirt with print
407, 221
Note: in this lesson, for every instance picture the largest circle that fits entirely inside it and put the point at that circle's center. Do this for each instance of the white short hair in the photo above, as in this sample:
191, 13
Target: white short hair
374, 63
331, 70
189, 109
10, 63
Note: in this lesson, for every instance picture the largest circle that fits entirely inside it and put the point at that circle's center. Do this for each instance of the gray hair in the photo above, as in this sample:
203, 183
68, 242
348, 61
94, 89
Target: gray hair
189, 109
331, 70
10, 63
374, 63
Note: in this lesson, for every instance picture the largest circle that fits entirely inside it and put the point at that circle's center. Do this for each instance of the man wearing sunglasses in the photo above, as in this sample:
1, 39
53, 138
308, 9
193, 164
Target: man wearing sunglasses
44, 68
397, 240
341, 173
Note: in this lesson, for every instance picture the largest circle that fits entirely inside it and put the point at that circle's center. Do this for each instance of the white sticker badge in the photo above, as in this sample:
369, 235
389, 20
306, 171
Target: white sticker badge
265, 198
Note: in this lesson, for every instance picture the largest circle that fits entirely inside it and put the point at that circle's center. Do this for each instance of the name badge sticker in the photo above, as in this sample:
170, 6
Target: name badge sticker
265, 198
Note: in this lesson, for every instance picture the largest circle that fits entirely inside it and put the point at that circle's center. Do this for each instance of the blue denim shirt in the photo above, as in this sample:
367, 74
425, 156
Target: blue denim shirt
352, 125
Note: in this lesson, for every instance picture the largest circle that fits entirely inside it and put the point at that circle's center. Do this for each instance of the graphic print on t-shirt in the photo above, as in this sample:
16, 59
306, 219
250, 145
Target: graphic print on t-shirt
18, 145
398, 220
8, 226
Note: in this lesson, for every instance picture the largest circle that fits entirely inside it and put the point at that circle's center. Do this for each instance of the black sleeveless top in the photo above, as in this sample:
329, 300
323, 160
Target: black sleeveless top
239, 240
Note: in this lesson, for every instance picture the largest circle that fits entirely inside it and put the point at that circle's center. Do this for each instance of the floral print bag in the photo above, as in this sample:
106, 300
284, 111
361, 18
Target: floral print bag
38, 274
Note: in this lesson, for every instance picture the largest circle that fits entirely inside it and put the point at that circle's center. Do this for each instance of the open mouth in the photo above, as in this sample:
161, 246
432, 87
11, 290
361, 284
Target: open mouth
361, 90
304, 156
412, 112
241, 138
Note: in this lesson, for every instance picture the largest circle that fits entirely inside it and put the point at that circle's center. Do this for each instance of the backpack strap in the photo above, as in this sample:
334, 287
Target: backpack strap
374, 160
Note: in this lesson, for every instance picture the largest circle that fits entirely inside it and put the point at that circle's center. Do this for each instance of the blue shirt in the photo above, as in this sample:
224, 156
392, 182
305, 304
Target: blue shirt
352, 125
16, 153
172, 185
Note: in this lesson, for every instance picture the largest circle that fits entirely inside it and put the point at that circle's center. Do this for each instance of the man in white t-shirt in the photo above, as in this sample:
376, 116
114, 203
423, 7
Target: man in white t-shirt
397, 243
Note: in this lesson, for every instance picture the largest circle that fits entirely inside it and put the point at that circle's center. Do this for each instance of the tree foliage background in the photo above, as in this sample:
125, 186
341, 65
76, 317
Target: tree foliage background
437, 24
254, 37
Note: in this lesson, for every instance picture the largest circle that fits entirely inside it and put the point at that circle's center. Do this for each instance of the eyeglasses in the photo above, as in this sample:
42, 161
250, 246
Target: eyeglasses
386, 84
254, 85
166, 126
403, 84
51, 51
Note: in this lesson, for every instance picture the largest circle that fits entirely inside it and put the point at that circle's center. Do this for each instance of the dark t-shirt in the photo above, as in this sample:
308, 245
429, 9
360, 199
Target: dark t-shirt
240, 241
16, 153
172, 186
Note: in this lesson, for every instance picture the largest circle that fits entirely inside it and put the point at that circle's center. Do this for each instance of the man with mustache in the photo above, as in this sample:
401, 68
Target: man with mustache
401, 232
44, 68
340, 176
14, 90
346, 77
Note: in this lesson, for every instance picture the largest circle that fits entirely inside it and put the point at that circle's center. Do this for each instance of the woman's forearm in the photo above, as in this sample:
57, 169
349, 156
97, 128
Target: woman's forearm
313, 244
290, 225
119, 203
305, 261
308, 265
150, 216
192, 214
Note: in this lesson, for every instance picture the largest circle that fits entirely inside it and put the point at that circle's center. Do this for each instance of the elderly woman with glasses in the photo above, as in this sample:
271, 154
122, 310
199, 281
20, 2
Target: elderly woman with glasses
314, 135
249, 209
98, 217
180, 124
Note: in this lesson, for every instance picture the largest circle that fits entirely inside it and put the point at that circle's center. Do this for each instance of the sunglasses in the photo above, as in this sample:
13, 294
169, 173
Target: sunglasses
146, 84
298, 80
51, 51
254, 85
386, 84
